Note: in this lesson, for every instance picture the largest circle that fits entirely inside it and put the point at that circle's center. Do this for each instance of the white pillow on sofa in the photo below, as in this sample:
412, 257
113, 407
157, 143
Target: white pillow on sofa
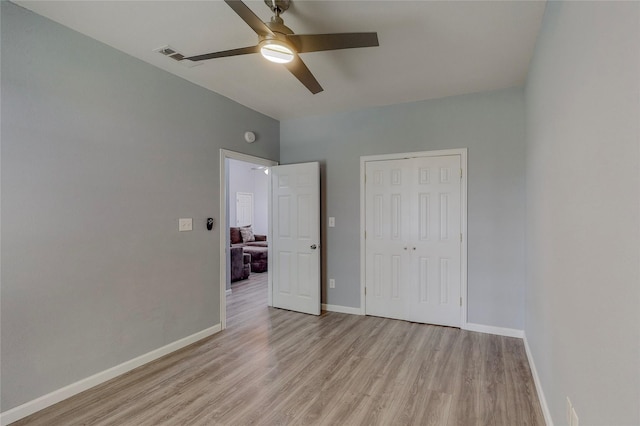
247, 234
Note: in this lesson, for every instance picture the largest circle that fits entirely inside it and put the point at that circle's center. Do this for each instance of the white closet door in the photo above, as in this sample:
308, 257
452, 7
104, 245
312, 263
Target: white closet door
413, 247
387, 214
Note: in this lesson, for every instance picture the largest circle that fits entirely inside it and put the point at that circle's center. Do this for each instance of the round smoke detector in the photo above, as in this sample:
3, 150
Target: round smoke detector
250, 137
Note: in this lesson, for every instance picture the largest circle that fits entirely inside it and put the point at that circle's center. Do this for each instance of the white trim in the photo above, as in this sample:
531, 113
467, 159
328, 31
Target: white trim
463, 229
224, 235
401, 155
363, 249
68, 391
489, 329
462, 152
228, 292
342, 309
536, 379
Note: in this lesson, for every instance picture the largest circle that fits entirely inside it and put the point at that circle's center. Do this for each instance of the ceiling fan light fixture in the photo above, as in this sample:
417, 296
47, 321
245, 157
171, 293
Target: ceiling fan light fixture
276, 51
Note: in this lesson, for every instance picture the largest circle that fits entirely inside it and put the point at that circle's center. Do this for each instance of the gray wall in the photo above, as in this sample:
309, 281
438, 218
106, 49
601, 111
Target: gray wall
101, 154
491, 125
583, 242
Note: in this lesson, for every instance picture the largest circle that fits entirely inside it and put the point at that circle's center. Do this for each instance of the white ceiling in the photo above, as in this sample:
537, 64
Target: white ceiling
428, 49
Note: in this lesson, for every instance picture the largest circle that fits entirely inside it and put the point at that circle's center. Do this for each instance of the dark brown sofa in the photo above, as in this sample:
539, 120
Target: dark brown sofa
240, 264
258, 248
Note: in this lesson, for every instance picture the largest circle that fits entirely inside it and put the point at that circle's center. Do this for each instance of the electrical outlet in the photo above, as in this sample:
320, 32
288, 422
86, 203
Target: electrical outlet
332, 283
568, 411
332, 222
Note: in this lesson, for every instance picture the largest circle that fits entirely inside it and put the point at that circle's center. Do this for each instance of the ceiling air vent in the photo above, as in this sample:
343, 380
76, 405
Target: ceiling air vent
176, 56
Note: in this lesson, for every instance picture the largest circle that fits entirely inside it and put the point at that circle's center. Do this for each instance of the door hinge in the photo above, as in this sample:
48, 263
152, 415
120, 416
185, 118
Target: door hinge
365, 291
461, 237
460, 173
461, 301
365, 235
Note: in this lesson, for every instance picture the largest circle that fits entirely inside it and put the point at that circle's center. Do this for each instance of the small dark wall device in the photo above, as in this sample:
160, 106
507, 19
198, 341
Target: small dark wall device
210, 223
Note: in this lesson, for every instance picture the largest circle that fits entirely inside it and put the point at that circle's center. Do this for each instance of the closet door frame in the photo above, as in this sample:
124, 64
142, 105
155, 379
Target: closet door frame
462, 152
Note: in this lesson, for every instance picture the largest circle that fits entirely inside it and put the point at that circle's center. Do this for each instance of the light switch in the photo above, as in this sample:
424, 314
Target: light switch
185, 224
332, 222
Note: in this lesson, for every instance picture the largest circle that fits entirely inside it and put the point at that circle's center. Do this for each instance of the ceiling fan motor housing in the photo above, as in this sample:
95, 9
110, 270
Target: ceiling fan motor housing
278, 27
280, 33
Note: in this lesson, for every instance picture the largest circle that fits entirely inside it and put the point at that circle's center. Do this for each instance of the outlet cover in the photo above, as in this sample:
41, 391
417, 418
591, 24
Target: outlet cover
332, 283
332, 222
185, 224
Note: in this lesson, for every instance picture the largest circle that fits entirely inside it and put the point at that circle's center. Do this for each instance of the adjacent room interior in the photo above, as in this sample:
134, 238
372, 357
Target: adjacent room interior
247, 226
119, 143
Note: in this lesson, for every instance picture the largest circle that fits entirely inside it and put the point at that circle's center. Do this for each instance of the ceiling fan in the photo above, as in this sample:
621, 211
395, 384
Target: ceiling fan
278, 43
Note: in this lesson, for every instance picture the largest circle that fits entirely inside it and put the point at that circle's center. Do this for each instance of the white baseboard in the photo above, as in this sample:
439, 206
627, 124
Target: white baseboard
536, 379
341, 309
68, 391
489, 329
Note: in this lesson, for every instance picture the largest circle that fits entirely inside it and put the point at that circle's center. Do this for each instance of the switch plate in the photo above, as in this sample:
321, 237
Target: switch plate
185, 224
332, 283
332, 222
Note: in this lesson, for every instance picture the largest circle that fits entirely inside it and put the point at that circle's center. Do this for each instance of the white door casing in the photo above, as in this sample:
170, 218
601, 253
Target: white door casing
294, 251
413, 211
244, 208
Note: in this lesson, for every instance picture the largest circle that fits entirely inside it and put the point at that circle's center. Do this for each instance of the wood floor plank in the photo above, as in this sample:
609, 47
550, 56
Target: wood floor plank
276, 367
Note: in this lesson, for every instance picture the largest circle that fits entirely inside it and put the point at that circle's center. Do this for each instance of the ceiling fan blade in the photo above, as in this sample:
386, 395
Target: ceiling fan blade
249, 17
318, 42
302, 73
232, 52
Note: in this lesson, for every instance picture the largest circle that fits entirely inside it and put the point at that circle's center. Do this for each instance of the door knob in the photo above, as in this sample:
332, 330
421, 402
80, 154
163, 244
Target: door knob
313, 246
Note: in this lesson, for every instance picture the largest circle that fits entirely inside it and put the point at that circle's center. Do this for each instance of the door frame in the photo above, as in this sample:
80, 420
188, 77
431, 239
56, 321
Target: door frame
226, 154
462, 152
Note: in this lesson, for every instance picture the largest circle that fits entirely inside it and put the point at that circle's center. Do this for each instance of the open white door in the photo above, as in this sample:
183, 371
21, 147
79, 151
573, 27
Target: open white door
294, 259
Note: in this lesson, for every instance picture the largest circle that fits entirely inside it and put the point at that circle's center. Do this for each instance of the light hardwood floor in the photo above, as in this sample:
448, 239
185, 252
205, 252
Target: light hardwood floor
275, 367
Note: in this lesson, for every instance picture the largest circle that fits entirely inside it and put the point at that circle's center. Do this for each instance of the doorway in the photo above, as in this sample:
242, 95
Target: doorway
252, 172
413, 244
